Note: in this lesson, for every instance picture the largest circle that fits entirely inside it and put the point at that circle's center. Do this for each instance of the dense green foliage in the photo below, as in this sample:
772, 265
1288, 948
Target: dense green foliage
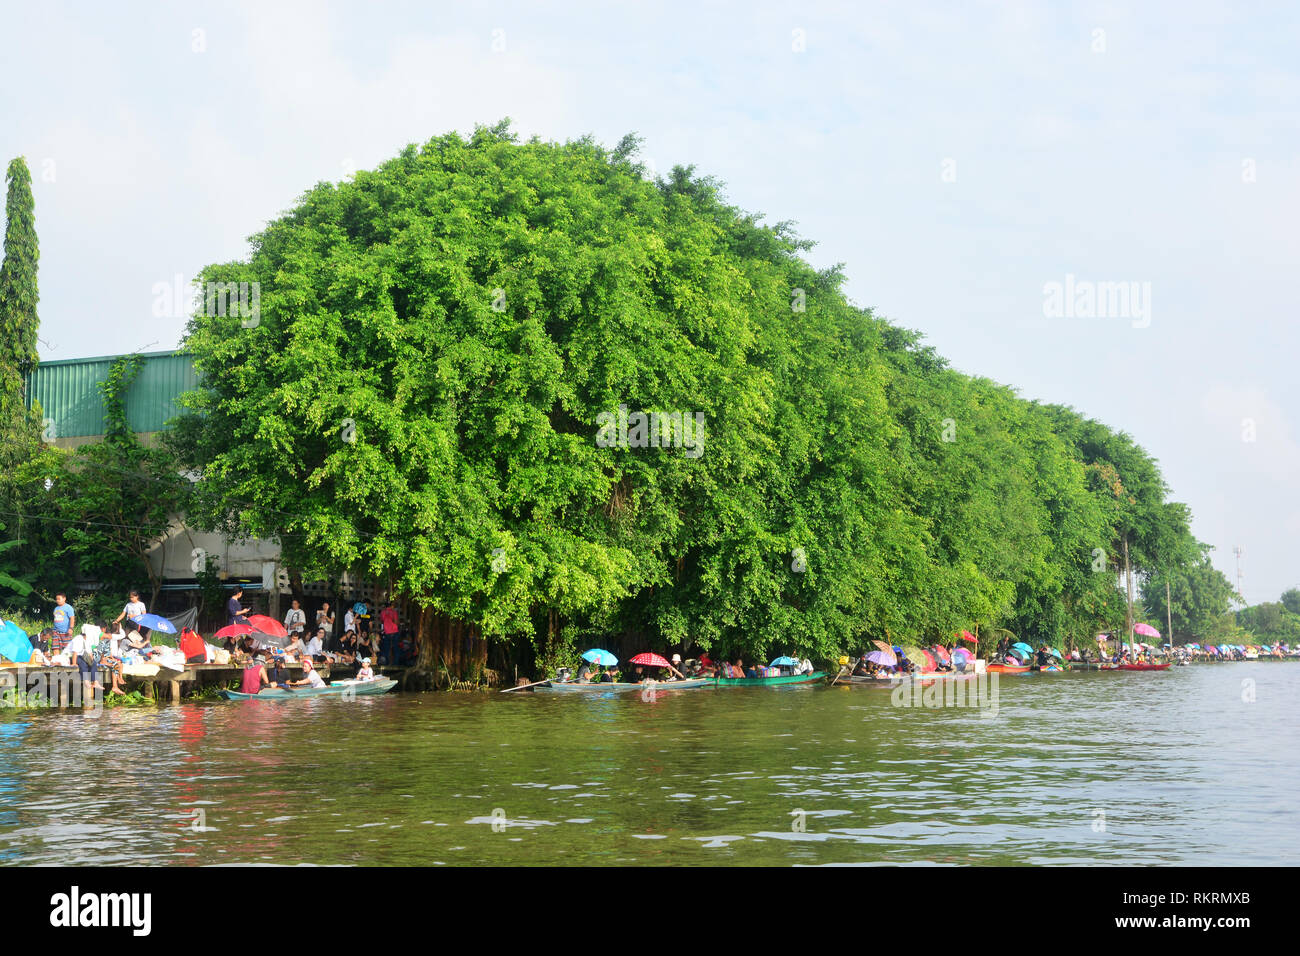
420, 401
1272, 623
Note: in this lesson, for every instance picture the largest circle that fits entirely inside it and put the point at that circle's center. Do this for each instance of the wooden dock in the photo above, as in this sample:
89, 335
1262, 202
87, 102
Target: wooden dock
62, 686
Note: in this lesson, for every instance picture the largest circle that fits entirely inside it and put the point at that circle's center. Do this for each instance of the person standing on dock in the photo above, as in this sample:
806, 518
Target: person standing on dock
64, 618
325, 619
236, 613
388, 640
295, 620
133, 610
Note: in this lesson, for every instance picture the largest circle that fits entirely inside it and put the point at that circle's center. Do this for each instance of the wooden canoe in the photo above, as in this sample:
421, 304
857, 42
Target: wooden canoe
617, 687
341, 688
1143, 667
1008, 669
771, 681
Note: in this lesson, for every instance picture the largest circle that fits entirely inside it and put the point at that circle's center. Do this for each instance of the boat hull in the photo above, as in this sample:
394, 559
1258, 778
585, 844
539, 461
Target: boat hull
347, 688
771, 681
574, 687
1008, 669
1142, 667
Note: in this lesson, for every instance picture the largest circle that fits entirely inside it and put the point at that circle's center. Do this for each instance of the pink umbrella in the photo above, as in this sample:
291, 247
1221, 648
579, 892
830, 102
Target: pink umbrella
968, 636
1146, 630
940, 652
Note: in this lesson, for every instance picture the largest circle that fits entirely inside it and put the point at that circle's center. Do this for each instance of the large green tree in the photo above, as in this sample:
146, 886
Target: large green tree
425, 394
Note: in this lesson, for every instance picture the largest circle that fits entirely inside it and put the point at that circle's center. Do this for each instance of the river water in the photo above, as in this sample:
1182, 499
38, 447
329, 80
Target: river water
1196, 765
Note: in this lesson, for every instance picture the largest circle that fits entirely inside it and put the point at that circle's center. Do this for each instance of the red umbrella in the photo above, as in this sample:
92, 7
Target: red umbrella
968, 636
267, 625
234, 630
649, 660
932, 663
940, 652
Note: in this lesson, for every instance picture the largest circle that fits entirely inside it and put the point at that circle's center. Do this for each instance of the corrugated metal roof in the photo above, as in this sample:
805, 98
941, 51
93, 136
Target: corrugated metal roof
68, 392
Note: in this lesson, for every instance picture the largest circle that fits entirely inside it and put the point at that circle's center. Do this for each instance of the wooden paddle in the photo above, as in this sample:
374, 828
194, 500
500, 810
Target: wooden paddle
838, 676
526, 686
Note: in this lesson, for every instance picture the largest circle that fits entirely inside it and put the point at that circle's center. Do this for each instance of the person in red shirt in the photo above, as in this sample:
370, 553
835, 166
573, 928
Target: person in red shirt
388, 645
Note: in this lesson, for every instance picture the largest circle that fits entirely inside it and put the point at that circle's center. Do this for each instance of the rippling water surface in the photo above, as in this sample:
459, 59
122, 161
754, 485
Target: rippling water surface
1133, 768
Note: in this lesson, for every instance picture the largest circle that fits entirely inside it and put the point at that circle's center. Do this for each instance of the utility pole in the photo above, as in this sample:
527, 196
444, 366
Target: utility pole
1128, 607
1238, 552
1169, 616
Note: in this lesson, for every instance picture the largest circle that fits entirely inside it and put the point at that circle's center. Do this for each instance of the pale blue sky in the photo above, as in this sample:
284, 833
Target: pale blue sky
1115, 164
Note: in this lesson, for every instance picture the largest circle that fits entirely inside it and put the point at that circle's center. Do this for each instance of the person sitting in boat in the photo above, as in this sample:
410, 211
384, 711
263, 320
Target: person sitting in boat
586, 672
309, 676
364, 672
279, 673
862, 668
254, 677
1044, 657
608, 675
673, 672
638, 675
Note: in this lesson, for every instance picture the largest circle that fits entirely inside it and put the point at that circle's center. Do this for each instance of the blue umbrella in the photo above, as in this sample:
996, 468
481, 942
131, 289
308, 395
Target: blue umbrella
1017, 650
897, 649
1022, 644
156, 623
14, 643
597, 656
784, 662
1054, 652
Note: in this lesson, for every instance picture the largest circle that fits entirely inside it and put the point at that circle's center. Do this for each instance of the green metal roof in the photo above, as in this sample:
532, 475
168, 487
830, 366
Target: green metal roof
68, 392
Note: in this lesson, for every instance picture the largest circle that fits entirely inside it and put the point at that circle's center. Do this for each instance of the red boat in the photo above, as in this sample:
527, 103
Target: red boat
1142, 667
1007, 669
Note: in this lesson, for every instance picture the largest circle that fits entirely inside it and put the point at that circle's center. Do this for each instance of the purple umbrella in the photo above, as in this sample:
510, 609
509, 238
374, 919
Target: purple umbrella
885, 658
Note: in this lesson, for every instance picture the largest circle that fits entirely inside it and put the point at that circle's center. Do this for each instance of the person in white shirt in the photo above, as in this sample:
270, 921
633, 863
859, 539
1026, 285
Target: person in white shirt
295, 621
81, 654
296, 648
316, 646
364, 672
309, 676
325, 619
133, 611
349, 620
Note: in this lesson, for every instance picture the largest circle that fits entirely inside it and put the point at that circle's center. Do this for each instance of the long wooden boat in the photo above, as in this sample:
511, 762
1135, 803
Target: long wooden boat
893, 680
771, 681
340, 688
1049, 669
850, 681
1143, 667
618, 687
1008, 669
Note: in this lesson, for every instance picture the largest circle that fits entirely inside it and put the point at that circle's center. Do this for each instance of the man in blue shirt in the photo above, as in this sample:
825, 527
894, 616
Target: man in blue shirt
64, 618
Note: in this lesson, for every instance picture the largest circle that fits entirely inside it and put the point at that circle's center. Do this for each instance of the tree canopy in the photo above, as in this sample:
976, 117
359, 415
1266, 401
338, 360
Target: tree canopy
449, 350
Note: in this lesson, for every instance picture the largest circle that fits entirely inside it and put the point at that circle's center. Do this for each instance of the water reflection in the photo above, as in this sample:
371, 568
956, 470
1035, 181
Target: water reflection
1178, 766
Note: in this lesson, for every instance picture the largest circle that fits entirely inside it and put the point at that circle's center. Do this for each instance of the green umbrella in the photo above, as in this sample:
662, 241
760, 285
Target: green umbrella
914, 655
